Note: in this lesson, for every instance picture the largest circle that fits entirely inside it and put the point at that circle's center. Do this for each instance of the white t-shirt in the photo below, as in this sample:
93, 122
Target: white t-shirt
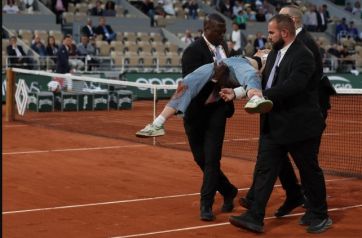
11, 9
236, 37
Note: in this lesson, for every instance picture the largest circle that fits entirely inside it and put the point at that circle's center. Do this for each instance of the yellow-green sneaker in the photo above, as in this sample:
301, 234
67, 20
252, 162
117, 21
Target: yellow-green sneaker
258, 105
151, 131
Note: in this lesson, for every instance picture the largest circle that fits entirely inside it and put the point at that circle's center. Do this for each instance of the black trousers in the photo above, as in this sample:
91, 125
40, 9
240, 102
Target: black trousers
206, 135
269, 162
288, 180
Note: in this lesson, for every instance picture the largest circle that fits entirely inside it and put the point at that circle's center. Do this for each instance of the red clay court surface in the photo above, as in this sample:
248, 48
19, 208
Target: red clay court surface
60, 184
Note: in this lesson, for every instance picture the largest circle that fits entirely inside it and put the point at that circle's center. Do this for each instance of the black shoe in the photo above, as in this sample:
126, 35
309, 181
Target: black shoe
206, 214
246, 221
306, 219
244, 202
288, 206
319, 225
228, 205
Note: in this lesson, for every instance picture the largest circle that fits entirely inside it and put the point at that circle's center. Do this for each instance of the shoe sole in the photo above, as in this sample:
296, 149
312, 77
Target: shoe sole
246, 225
260, 108
146, 136
207, 218
324, 228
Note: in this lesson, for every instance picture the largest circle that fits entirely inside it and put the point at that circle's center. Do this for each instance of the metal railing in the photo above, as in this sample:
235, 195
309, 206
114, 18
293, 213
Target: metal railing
107, 63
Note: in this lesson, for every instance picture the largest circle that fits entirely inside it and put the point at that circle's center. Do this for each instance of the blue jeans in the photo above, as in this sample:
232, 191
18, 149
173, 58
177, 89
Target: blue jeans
240, 70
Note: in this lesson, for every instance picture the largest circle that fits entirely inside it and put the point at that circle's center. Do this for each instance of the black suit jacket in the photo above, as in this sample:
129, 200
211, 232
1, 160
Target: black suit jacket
194, 56
296, 115
325, 88
85, 31
14, 60
100, 31
62, 60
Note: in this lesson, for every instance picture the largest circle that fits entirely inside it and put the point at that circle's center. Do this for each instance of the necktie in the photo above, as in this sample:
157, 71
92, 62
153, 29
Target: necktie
272, 73
218, 56
214, 96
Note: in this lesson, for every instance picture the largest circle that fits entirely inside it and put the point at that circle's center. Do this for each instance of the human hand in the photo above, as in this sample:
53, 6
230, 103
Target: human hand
227, 94
263, 54
254, 91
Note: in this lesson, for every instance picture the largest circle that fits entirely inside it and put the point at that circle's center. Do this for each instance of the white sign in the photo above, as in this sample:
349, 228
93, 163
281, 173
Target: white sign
21, 96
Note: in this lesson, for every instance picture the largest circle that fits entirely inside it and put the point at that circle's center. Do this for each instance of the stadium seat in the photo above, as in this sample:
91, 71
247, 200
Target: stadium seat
117, 46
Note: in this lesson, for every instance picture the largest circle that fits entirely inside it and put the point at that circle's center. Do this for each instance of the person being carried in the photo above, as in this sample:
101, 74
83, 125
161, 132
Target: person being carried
240, 73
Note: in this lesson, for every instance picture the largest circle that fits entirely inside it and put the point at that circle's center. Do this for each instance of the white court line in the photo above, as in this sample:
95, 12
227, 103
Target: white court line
73, 149
11, 126
132, 200
223, 224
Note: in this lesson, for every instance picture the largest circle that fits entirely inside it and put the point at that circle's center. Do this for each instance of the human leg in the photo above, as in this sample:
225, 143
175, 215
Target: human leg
305, 156
267, 169
289, 182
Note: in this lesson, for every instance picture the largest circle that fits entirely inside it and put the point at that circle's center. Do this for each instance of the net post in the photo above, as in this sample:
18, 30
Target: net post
154, 108
10, 95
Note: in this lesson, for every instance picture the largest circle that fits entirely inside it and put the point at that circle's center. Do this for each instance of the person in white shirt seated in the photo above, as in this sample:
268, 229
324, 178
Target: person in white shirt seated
10, 7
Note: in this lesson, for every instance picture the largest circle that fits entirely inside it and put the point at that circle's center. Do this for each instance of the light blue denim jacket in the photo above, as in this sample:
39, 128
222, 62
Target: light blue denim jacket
240, 70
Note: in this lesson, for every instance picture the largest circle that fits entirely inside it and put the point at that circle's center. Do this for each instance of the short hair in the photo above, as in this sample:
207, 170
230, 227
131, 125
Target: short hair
284, 22
294, 11
214, 17
67, 36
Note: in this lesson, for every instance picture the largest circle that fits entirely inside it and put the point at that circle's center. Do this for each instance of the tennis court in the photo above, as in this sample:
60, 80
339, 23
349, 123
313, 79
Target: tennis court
84, 174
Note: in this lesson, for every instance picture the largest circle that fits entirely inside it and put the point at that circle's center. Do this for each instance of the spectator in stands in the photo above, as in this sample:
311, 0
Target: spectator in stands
260, 16
353, 31
159, 8
238, 37
17, 56
88, 29
238, 6
40, 49
259, 42
109, 9
27, 5
187, 38
105, 30
87, 52
168, 7
148, 8
10, 7
232, 51
268, 7
191, 7
58, 7
249, 13
97, 10
321, 20
75, 60
226, 8
348, 7
326, 13
357, 10
63, 65
52, 49
341, 29
311, 20
241, 19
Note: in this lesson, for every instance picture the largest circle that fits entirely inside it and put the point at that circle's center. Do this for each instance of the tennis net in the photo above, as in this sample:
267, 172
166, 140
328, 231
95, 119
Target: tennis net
117, 109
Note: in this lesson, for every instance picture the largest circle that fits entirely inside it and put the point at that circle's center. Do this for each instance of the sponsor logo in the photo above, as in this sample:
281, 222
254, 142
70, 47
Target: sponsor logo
339, 82
158, 81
